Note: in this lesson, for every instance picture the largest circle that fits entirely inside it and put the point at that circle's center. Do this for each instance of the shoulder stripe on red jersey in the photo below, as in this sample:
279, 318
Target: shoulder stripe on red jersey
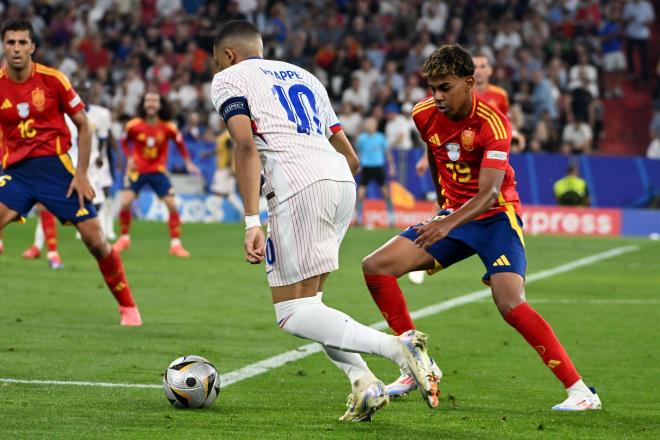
423, 102
132, 123
40, 68
500, 90
494, 120
422, 108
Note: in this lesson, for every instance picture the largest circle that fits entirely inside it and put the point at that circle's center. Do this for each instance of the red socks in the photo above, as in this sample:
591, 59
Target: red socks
538, 333
390, 300
124, 221
49, 226
115, 278
175, 225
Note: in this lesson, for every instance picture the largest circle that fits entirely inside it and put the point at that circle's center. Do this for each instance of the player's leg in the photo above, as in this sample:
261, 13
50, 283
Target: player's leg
174, 226
127, 197
49, 227
16, 198
509, 296
111, 268
387, 197
34, 251
359, 206
298, 308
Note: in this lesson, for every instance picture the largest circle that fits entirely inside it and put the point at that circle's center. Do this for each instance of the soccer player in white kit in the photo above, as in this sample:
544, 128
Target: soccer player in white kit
281, 120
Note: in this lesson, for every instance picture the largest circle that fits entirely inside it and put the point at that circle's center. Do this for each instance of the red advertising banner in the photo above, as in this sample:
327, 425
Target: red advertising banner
536, 219
571, 220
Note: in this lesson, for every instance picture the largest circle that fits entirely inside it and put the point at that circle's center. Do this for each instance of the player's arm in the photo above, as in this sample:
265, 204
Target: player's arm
490, 182
433, 167
341, 143
181, 146
248, 175
80, 183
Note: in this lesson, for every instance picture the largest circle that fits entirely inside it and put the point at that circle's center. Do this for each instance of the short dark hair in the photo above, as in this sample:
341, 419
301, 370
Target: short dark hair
17, 25
449, 59
236, 28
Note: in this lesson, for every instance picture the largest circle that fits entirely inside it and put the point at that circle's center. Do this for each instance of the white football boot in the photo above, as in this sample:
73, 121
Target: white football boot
405, 383
414, 345
580, 400
368, 396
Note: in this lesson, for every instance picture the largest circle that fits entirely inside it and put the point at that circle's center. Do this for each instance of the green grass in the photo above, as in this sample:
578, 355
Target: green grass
63, 325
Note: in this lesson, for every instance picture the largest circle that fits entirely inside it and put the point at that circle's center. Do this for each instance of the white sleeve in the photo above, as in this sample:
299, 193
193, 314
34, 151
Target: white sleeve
228, 95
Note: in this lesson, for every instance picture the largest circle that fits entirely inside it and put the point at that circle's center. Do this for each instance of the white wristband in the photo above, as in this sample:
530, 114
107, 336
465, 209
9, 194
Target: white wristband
251, 221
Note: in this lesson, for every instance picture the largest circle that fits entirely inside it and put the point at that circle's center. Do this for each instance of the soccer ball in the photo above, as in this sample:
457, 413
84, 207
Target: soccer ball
191, 382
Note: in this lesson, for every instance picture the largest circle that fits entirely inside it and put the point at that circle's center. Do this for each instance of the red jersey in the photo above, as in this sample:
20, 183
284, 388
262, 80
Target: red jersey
32, 114
462, 148
495, 97
150, 144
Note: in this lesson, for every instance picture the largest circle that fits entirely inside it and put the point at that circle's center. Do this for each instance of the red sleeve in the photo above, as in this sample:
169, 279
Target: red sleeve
178, 140
496, 137
69, 99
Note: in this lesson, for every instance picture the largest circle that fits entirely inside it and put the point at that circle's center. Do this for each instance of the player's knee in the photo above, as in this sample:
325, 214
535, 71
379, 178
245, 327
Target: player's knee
505, 307
373, 264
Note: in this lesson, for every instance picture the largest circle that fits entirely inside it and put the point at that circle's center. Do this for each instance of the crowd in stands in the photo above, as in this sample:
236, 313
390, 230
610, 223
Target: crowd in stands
557, 59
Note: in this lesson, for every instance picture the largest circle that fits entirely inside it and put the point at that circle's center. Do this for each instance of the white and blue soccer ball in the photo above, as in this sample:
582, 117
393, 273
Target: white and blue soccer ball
191, 382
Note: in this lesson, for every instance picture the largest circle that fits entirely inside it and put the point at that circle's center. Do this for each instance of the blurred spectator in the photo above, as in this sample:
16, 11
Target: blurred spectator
577, 137
614, 61
356, 95
583, 84
351, 121
572, 190
398, 133
638, 15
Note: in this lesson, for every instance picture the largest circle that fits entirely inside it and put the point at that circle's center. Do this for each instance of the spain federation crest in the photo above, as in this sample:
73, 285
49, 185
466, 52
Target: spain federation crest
467, 139
453, 151
38, 99
23, 109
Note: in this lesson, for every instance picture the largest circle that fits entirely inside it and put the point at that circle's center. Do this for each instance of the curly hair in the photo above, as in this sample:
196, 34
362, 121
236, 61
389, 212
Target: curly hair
166, 112
449, 59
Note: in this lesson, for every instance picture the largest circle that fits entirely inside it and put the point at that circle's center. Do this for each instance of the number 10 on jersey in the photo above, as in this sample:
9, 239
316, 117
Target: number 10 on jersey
300, 106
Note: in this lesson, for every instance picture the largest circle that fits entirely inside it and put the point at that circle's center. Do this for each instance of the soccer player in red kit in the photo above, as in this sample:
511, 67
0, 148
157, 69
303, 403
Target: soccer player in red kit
36, 166
468, 144
145, 143
489, 93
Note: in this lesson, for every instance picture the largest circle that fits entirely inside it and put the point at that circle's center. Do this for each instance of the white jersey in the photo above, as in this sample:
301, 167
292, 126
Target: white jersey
100, 121
292, 119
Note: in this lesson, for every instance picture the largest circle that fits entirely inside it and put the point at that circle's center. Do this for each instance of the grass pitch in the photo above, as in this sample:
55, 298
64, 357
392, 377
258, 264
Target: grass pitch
63, 326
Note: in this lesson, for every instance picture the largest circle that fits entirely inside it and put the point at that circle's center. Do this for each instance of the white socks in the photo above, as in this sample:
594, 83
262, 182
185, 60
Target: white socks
309, 318
580, 388
39, 237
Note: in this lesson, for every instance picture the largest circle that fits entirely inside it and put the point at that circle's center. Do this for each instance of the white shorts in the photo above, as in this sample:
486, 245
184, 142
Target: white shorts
100, 178
305, 231
224, 181
614, 61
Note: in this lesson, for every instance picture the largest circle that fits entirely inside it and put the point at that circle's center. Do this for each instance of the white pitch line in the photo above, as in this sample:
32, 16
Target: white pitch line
308, 349
629, 302
83, 384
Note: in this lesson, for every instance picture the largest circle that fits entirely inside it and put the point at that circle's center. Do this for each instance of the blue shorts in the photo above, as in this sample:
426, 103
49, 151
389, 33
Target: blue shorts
45, 180
159, 182
498, 241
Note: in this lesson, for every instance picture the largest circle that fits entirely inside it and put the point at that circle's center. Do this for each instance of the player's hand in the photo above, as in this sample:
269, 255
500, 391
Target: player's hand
81, 186
255, 245
431, 232
192, 168
422, 165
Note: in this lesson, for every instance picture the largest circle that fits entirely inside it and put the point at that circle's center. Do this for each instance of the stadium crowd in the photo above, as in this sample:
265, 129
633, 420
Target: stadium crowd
557, 59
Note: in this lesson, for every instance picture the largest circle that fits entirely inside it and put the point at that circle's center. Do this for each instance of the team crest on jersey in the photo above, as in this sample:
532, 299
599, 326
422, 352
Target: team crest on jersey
38, 99
467, 139
151, 142
453, 151
23, 109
